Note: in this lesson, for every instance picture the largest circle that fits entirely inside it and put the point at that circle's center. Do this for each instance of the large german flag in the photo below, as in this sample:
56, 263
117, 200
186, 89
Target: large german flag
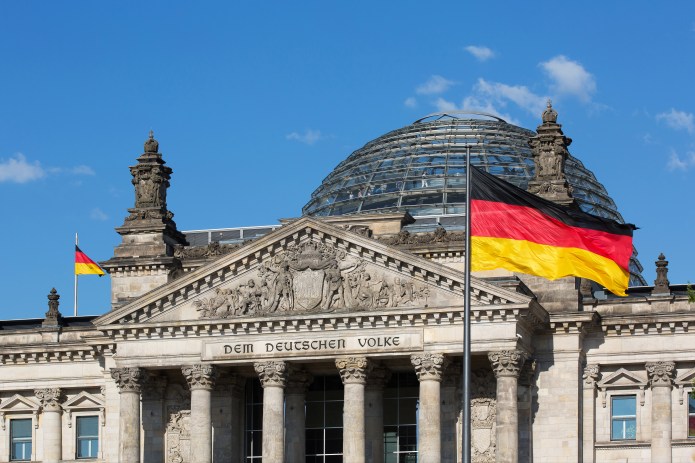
84, 265
521, 232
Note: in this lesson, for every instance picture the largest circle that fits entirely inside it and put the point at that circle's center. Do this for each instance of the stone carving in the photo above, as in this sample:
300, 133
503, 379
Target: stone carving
178, 437
483, 416
151, 145
200, 376
213, 249
440, 235
362, 230
128, 379
660, 373
661, 284
53, 316
311, 277
272, 374
429, 366
591, 374
507, 362
49, 398
353, 369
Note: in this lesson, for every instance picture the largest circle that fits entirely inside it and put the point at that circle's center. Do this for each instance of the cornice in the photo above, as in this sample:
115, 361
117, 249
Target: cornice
58, 353
642, 324
573, 322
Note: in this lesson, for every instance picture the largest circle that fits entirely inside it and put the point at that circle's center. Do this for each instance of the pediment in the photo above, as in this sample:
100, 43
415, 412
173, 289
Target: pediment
84, 400
686, 378
309, 267
622, 378
18, 403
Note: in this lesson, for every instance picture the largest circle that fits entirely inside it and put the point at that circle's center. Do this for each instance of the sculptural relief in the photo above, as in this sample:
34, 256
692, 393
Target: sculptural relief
483, 416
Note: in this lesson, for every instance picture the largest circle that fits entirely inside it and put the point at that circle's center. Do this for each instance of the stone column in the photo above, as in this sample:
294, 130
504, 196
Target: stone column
52, 424
429, 368
129, 381
590, 376
451, 411
374, 414
201, 381
295, 420
661, 380
506, 365
353, 373
153, 424
273, 376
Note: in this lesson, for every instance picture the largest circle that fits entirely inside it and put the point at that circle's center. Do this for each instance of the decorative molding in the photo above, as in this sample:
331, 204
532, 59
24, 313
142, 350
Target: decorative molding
483, 416
660, 373
129, 379
200, 376
439, 236
49, 398
507, 362
272, 373
53, 316
621, 379
591, 375
429, 366
212, 250
353, 370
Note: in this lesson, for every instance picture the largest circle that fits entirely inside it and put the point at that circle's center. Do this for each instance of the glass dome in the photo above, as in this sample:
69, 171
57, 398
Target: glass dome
421, 169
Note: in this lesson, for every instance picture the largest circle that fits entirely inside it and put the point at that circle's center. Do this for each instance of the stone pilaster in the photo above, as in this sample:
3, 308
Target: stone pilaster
590, 376
353, 373
429, 368
129, 381
273, 376
661, 381
506, 365
374, 414
201, 381
298, 382
52, 425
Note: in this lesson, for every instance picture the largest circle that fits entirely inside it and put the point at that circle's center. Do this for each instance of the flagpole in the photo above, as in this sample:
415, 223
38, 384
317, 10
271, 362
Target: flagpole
76, 244
466, 418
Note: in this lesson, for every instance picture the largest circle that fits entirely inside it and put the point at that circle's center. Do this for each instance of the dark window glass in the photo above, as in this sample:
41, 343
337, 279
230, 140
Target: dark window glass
324, 420
20, 439
691, 414
400, 418
253, 421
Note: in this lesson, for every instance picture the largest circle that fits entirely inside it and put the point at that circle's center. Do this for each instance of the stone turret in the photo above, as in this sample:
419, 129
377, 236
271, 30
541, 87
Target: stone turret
661, 284
145, 258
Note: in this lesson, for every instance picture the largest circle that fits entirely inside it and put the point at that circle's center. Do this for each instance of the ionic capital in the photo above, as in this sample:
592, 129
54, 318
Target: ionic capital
49, 398
660, 373
200, 376
507, 362
128, 379
353, 370
272, 373
429, 366
591, 375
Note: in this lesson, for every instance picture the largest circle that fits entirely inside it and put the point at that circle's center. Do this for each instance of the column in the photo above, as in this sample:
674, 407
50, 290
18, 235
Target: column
661, 379
129, 381
273, 376
201, 381
374, 414
590, 376
353, 373
506, 365
52, 424
429, 368
153, 424
295, 420
451, 412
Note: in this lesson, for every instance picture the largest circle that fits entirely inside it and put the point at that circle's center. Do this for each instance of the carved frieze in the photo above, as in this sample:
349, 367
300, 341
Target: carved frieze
429, 366
200, 376
591, 374
311, 277
128, 379
49, 398
213, 249
507, 362
439, 236
660, 373
483, 416
353, 369
272, 373
178, 436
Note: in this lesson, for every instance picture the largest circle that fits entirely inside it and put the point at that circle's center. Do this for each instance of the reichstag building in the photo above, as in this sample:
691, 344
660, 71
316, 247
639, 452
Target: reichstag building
337, 336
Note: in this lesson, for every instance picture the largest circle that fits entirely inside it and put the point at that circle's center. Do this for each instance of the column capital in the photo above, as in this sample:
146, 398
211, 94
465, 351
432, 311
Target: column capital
507, 362
378, 377
272, 373
298, 381
49, 398
353, 369
660, 373
200, 376
591, 374
429, 366
128, 379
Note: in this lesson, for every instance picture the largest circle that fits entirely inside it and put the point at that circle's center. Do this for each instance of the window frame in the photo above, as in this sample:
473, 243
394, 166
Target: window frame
12, 420
690, 415
97, 437
623, 418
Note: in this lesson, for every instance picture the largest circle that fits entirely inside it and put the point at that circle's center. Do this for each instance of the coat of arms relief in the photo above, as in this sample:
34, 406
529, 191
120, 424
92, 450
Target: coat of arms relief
312, 277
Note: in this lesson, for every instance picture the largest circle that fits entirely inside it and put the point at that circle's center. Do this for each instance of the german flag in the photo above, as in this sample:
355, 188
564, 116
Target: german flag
84, 265
521, 232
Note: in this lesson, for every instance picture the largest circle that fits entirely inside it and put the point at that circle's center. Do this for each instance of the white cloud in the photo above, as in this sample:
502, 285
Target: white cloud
18, 170
496, 92
309, 136
675, 162
569, 78
434, 85
472, 103
679, 120
82, 170
444, 106
480, 53
98, 214
410, 102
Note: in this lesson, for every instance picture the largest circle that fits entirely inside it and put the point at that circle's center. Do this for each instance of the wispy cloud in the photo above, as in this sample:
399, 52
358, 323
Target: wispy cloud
472, 103
569, 78
676, 162
77, 170
309, 136
410, 102
520, 95
679, 120
434, 86
480, 53
98, 214
18, 170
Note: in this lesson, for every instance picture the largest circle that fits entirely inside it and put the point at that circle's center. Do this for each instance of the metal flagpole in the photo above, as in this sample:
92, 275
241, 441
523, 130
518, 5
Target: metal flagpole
76, 244
466, 418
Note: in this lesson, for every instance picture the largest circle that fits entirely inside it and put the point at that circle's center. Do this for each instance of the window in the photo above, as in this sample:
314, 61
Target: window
87, 436
401, 397
623, 417
253, 427
20, 439
324, 420
691, 414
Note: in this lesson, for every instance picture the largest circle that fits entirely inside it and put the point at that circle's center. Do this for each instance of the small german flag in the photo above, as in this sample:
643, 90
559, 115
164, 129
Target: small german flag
84, 265
521, 232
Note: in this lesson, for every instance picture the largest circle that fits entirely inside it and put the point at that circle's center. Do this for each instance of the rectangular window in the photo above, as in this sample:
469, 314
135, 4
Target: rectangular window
401, 404
253, 427
623, 417
691, 414
20, 440
87, 436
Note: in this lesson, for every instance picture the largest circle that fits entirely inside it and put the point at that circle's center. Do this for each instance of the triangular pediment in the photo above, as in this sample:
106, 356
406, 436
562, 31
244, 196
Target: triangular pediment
686, 378
309, 267
17, 403
84, 400
622, 378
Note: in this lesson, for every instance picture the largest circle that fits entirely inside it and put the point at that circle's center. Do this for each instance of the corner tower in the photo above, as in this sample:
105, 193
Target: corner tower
145, 258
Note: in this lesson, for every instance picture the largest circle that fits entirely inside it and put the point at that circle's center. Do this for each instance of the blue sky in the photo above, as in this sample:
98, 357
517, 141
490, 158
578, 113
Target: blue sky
254, 103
